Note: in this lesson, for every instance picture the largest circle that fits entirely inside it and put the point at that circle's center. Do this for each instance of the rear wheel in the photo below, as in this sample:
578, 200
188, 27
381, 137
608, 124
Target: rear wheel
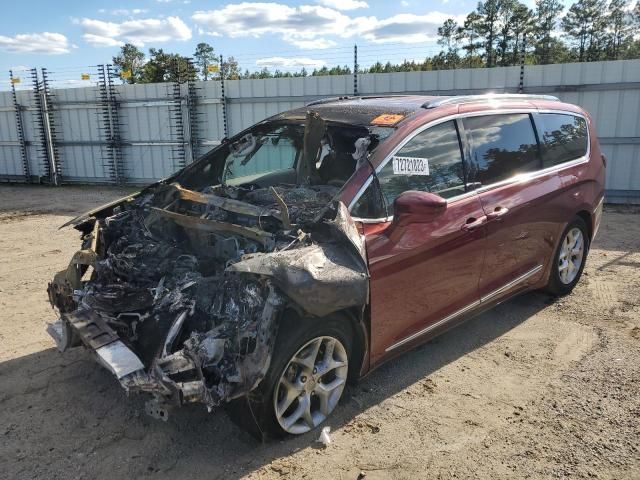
305, 381
570, 258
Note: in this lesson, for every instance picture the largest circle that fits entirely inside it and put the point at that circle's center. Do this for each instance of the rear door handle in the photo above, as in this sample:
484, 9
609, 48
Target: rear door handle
497, 213
473, 223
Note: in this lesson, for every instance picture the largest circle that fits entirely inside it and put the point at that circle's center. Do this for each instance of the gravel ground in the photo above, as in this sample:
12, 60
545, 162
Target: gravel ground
536, 388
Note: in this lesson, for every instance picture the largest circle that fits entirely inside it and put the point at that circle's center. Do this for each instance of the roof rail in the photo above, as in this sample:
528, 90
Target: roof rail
328, 100
488, 96
352, 97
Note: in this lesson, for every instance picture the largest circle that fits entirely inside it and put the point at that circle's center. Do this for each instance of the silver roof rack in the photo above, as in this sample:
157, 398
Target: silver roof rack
483, 98
320, 101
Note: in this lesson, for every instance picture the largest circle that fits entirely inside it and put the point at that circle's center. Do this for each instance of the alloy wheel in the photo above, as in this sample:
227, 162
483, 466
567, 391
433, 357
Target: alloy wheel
311, 385
571, 256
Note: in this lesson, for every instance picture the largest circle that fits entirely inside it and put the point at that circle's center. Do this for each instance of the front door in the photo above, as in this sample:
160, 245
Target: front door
423, 274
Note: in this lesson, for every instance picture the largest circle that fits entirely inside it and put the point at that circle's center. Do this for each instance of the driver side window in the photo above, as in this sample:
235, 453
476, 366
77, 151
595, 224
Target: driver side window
430, 162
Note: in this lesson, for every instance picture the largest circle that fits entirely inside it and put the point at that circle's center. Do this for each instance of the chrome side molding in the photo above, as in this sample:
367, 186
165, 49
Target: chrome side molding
511, 284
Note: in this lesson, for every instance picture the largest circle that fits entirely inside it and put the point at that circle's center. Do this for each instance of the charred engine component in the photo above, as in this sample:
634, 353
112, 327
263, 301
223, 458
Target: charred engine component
187, 287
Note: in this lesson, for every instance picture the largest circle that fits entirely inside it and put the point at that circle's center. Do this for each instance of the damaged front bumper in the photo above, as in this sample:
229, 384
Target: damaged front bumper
177, 378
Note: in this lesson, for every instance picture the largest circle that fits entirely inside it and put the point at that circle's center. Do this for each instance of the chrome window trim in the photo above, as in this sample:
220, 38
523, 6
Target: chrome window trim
457, 313
515, 179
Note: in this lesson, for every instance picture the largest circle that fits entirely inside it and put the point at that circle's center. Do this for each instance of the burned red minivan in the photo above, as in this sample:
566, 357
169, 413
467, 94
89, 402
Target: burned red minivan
317, 244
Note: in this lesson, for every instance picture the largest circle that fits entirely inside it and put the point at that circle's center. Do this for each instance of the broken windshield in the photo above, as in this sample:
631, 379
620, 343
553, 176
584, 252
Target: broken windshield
274, 153
256, 155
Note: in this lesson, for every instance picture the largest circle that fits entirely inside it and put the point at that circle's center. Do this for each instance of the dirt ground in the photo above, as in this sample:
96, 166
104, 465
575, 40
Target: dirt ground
537, 388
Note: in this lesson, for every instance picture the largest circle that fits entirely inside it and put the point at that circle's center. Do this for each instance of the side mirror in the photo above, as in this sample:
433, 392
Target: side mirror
417, 207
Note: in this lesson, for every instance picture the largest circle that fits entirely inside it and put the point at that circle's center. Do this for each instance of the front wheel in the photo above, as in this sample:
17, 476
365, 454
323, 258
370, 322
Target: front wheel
305, 381
311, 384
569, 258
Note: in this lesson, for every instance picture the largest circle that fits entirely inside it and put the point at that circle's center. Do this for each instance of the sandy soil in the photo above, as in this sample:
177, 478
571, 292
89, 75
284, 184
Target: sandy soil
537, 388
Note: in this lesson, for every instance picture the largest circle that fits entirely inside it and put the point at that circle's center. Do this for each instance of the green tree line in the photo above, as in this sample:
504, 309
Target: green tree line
496, 33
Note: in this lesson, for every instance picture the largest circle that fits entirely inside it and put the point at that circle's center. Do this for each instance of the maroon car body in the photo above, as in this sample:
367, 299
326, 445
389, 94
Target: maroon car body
428, 276
323, 241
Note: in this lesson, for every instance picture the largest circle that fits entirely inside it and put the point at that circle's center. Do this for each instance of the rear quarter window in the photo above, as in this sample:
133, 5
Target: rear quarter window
563, 138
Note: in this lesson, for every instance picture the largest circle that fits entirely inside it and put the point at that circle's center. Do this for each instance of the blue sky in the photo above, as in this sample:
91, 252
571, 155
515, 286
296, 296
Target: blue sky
68, 35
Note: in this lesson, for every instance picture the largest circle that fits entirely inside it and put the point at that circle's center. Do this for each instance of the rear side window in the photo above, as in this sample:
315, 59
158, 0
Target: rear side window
563, 138
501, 146
430, 162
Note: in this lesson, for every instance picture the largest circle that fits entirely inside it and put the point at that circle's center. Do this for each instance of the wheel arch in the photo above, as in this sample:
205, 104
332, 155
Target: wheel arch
292, 314
588, 220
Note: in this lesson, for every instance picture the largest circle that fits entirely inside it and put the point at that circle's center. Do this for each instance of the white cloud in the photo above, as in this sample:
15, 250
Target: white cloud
315, 44
312, 26
101, 41
254, 19
123, 12
138, 31
407, 27
290, 63
45, 42
404, 3
344, 4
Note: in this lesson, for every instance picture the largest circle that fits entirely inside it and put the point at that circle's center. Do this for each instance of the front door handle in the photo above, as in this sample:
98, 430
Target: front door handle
497, 213
473, 223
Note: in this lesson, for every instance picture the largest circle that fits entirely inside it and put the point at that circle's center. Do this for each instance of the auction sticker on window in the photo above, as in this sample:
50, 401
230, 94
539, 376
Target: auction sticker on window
410, 166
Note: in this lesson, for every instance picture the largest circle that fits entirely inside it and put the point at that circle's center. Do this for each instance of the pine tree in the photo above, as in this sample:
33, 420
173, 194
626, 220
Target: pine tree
166, 67
619, 27
230, 68
547, 13
470, 32
448, 34
505, 29
584, 24
522, 25
489, 11
130, 62
204, 56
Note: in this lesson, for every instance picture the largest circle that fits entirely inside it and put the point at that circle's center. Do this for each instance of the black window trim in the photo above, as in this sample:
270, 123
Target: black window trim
535, 135
465, 143
538, 126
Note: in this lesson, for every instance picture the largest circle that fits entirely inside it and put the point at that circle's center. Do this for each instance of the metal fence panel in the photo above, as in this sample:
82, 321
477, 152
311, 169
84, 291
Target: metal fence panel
158, 134
10, 161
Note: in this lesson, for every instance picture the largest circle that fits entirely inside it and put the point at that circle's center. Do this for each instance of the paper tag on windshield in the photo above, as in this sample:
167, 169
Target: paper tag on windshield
410, 166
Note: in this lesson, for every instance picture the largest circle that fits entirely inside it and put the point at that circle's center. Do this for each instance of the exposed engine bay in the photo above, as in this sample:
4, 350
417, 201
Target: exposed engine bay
179, 289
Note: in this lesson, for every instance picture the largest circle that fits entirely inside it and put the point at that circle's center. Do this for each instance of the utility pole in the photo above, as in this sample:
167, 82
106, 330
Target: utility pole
355, 70
522, 60
224, 100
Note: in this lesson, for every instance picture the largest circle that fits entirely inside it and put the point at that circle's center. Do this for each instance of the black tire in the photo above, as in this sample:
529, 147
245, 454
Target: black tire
556, 286
256, 412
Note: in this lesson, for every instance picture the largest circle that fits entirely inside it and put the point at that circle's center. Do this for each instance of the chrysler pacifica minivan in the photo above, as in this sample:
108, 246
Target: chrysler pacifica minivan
310, 248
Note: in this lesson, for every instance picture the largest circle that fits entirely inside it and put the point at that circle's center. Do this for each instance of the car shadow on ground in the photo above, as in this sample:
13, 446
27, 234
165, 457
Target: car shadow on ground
79, 418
